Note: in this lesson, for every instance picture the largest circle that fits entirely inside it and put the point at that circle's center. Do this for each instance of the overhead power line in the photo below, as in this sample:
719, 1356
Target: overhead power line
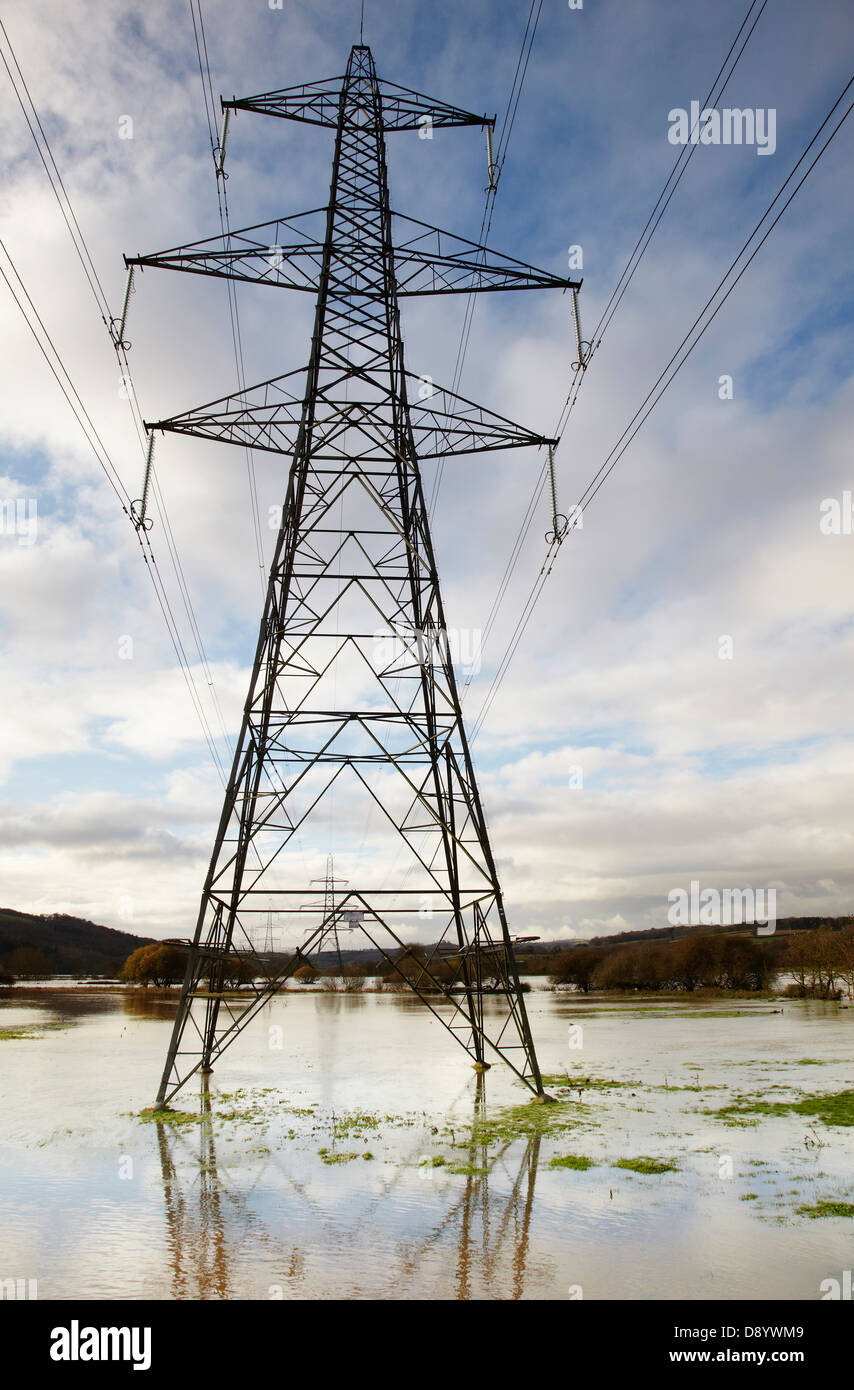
231, 288
715, 92
34, 322
495, 172
677, 360
54, 360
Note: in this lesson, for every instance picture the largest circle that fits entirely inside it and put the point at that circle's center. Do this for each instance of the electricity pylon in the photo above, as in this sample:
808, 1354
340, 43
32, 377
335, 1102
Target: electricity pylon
353, 675
330, 912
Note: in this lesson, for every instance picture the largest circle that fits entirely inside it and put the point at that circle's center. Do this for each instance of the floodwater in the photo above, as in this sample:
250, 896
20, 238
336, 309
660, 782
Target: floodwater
346, 1149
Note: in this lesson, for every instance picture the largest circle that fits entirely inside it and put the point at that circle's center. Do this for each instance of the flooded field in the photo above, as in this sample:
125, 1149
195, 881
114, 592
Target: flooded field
345, 1148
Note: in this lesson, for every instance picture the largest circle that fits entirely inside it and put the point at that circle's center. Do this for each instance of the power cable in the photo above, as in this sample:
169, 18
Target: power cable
638, 252
666, 377
488, 209
231, 289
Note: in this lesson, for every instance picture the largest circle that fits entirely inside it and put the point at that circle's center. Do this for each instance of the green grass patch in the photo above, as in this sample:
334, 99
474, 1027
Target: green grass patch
469, 1170
826, 1209
32, 1031
586, 1083
748, 1196
571, 1161
524, 1121
711, 1087
645, 1164
345, 1125
836, 1108
165, 1116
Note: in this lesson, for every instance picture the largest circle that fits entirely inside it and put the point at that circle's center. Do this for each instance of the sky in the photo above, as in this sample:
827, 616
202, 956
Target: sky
679, 708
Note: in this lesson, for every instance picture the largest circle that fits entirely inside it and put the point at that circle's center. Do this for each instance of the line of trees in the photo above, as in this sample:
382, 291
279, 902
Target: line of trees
693, 962
24, 963
164, 963
821, 962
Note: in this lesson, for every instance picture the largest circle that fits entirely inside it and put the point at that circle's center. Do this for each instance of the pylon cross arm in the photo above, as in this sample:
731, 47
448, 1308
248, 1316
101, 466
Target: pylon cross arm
255, 418
316, 103
319, 103
427, 259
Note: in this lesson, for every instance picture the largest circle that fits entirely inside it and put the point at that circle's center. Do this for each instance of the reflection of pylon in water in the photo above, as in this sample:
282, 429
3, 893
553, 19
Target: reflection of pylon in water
484, 1234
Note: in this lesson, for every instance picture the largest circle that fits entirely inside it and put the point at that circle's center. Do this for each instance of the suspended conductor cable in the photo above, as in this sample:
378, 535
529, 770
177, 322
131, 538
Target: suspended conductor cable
676, 362
66, 385
60, 373
496, 164
685, 153
218, 154
617, 451
585, 349
85, 258
660, 206
116, 329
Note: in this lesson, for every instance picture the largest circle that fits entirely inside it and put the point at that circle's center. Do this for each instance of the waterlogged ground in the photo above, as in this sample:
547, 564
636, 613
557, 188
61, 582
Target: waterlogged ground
695, 1150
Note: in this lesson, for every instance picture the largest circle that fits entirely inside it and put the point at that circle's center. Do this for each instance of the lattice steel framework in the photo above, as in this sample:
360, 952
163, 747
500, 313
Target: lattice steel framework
353, 674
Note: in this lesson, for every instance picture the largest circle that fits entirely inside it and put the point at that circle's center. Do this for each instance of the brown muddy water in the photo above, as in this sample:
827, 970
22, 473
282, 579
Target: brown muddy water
362, 1158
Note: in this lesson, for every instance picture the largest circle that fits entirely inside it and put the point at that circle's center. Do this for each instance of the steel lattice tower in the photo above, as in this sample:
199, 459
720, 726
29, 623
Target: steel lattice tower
353, 675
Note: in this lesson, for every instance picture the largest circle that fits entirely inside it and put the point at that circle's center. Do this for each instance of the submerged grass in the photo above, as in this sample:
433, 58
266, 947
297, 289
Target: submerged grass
833, 1108
266, 1115
645, 1164
826, 1209
164, 1116
567, 1081
571, 1161
32, 1031
525, 1121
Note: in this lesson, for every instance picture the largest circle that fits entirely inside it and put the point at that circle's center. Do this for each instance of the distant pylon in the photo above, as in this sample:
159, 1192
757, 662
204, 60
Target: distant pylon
353, 677
329, 909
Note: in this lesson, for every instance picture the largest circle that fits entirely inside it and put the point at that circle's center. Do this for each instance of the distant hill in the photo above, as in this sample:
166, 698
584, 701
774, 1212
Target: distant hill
74, 946
784, 926
69, 945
